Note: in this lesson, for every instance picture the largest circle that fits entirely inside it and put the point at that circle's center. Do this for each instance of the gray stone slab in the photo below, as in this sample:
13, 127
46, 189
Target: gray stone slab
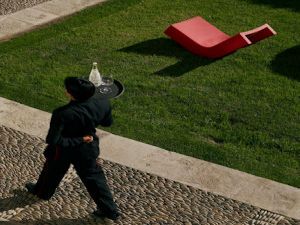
57, 7
33, 16
83, 3
11, 26
3, 37
66, 7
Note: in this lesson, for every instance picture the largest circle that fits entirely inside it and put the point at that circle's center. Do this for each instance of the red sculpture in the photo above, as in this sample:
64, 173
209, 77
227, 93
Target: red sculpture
201, 38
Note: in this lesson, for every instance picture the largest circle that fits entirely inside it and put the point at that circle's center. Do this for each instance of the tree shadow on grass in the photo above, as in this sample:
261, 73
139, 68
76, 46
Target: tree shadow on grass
289, 4
168, 48
287, 63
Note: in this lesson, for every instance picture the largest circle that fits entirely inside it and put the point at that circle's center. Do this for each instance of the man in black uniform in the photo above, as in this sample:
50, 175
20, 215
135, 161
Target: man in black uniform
72, 139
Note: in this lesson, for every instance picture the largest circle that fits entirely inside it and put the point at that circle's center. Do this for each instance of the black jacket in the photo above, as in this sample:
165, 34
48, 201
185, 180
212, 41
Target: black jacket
71, 122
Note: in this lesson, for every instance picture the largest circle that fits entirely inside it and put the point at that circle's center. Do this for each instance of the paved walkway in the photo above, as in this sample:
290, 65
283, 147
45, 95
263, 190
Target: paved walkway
143, 198
151, 185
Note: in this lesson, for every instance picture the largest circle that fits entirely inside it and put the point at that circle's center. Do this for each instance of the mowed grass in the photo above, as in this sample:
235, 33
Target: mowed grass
241, 111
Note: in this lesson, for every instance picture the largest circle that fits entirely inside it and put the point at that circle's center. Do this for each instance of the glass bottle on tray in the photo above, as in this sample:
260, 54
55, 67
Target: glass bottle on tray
95, 76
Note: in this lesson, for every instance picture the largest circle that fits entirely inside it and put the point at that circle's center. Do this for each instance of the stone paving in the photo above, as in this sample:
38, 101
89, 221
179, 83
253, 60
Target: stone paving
143, 198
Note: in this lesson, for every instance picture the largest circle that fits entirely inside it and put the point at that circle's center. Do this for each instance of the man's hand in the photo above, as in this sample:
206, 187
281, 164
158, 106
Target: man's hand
88, 139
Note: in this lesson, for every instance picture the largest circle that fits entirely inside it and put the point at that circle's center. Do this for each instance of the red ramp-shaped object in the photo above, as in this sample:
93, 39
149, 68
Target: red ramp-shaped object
204, 39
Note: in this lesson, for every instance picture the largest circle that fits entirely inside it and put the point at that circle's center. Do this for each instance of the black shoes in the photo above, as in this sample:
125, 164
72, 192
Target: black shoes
30, 188
112, 216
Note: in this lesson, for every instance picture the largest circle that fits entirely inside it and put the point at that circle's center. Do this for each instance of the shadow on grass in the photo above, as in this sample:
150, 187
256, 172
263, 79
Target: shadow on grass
289, 4
167, 47
287, 63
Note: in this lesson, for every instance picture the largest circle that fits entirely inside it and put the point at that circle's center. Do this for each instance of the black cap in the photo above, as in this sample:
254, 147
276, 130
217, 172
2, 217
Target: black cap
79, 88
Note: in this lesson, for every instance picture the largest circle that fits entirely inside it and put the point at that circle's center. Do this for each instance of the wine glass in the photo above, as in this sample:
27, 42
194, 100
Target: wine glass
107, 82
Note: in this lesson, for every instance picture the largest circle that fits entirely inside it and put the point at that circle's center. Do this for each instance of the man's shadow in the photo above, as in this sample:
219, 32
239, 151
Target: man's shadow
20, 199
60, 221
287, 63
166, 47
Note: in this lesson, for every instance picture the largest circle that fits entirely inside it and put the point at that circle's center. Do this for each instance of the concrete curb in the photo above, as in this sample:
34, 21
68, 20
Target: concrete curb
260, 192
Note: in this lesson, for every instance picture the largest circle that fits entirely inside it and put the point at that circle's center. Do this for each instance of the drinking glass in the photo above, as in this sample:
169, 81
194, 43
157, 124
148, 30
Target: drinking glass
107, 82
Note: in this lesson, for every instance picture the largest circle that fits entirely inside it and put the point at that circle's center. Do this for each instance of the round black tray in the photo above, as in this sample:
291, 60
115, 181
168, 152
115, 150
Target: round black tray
117, 90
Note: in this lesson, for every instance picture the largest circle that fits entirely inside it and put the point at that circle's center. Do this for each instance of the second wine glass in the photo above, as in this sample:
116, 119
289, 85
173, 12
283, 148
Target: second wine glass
107, 82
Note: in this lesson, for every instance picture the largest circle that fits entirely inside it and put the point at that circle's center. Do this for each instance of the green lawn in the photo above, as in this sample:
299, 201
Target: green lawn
241, 111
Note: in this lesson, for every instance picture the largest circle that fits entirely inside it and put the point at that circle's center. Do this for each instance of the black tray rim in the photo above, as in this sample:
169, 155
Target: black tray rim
120, 88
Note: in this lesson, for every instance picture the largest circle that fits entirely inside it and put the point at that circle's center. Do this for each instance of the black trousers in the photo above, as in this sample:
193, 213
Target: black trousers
90, 173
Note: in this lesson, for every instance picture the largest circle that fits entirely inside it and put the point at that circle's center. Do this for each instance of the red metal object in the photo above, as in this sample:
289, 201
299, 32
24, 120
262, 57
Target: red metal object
201, 38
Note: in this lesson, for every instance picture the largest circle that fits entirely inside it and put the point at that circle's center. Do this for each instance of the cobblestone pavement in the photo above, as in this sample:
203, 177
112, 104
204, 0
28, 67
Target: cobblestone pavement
10, 6
142, 198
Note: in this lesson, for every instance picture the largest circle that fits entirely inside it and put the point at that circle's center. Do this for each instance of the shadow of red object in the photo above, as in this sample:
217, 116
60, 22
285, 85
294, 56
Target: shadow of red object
201, 38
